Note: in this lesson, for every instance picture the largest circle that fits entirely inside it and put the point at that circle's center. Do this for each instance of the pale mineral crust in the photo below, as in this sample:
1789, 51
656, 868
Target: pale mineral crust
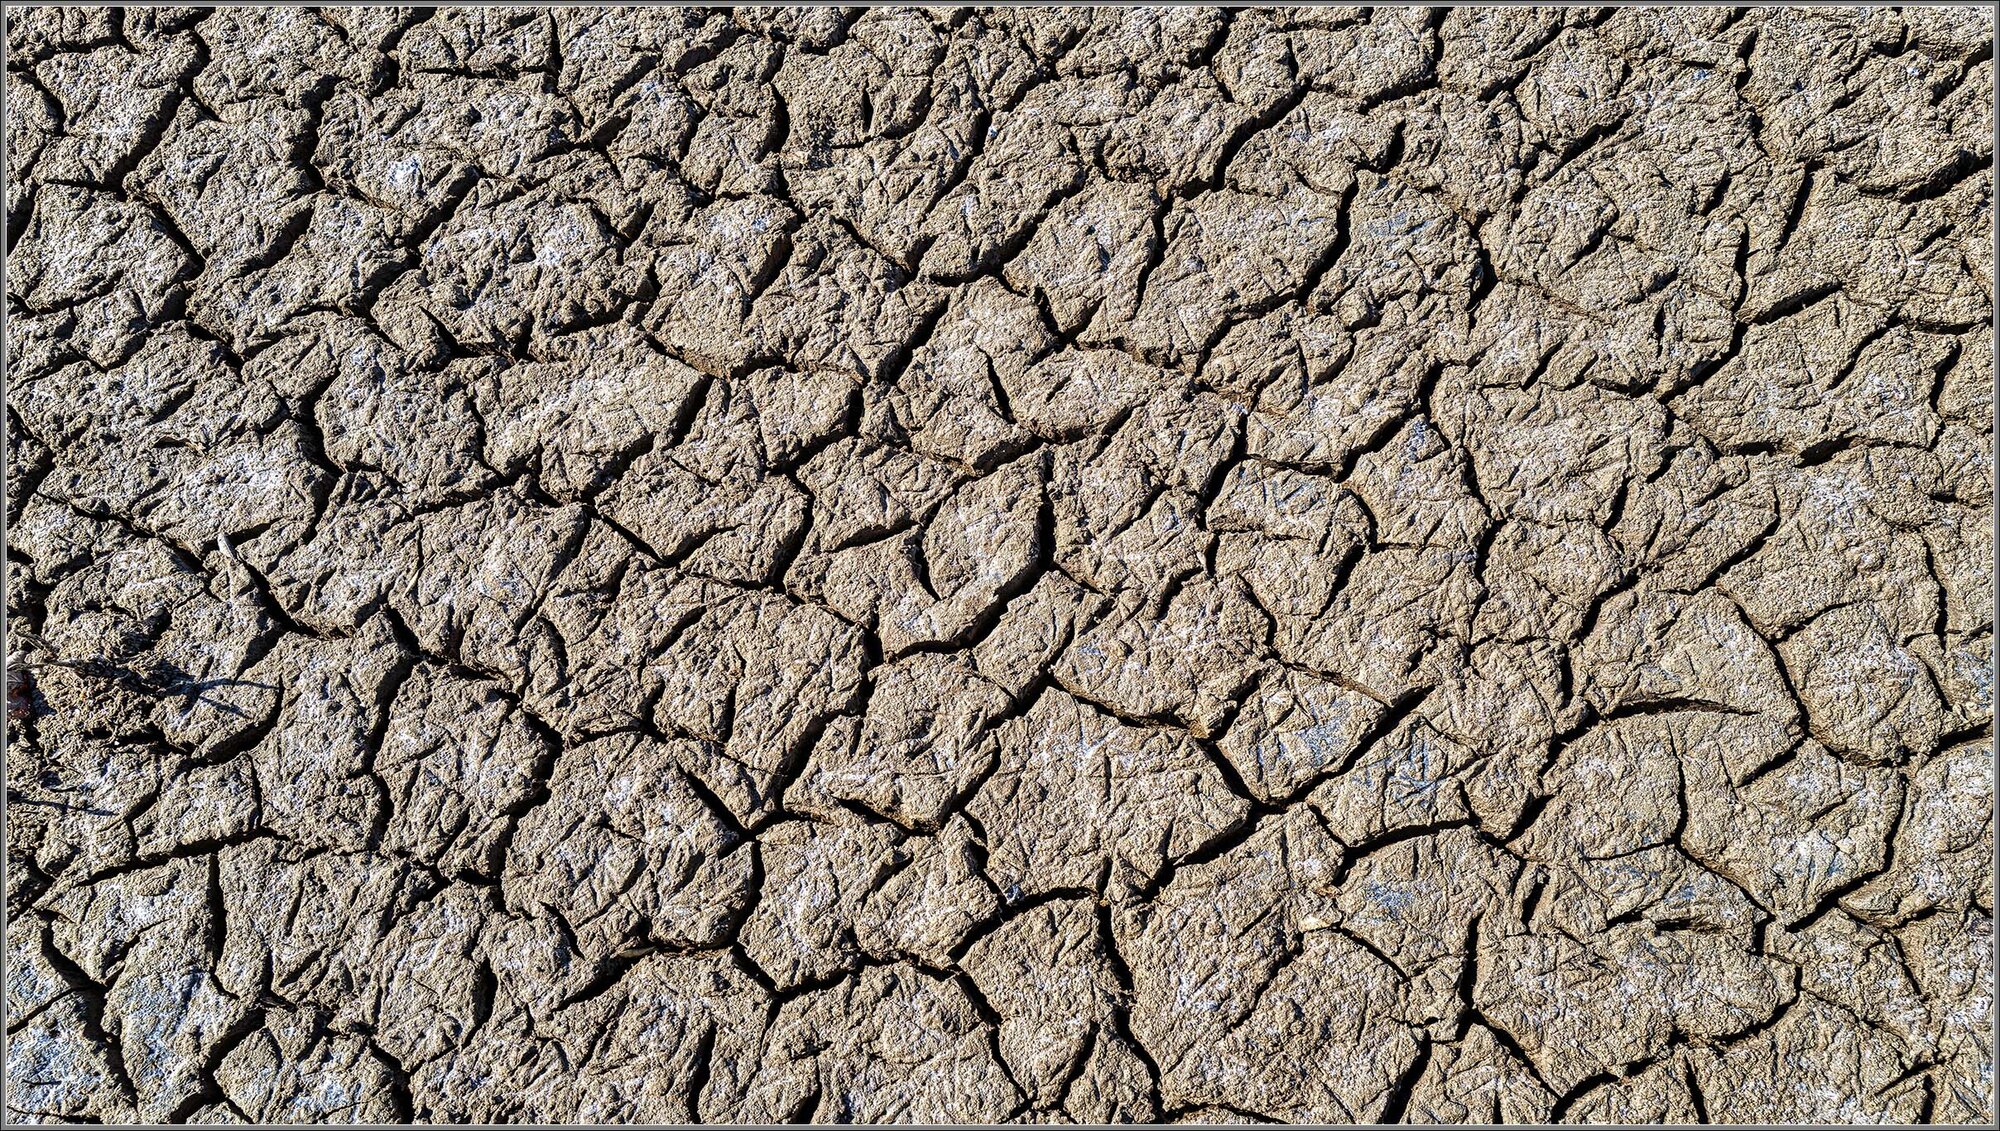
966, 565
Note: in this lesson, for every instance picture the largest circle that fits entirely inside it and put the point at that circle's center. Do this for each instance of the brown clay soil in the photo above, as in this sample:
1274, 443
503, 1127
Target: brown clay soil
1000, 565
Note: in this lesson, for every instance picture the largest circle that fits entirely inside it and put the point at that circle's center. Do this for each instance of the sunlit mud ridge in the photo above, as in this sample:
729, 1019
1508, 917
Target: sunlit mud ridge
975, 565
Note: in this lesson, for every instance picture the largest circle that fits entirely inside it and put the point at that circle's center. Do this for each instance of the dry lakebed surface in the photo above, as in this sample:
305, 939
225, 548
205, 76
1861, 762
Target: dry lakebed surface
999, 565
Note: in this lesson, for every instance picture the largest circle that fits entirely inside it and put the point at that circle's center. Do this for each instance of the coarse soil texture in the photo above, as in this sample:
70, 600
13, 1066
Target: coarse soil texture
999, 565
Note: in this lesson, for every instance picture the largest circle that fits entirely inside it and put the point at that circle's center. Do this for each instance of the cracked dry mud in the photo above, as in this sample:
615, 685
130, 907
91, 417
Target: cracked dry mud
974, 565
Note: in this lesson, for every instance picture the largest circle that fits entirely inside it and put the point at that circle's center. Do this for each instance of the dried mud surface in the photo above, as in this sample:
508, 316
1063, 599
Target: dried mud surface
988, 565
